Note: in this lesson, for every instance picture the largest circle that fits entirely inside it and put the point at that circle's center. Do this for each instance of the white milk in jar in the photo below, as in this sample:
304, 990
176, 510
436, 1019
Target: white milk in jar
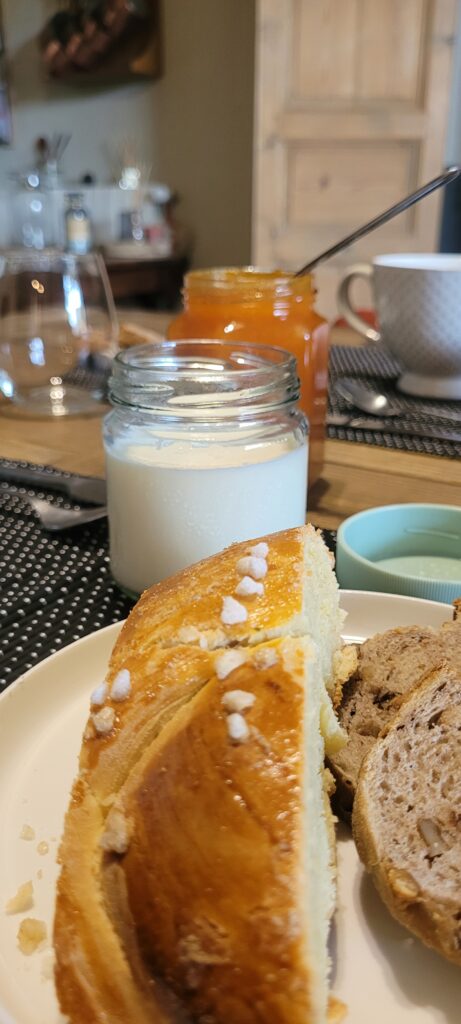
205, 447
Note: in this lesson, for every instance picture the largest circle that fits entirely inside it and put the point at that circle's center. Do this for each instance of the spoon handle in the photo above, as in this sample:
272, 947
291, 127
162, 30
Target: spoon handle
382, 218
439, 433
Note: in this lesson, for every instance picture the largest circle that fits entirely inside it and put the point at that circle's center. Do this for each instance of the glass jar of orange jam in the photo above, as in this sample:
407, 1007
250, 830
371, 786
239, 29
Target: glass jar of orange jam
273, 308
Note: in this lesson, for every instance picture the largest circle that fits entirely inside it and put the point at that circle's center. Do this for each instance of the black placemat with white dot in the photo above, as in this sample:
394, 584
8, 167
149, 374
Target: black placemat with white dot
379, 372
54, 587
375, 361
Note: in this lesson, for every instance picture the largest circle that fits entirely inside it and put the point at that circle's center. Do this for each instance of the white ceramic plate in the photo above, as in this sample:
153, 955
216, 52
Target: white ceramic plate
382, 973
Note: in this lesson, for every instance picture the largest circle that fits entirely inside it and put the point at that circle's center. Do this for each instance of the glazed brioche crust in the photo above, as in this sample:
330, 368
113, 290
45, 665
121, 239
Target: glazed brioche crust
169, 638
233, 876
86, 942
183, 856
409, 788
219, 824
190, 603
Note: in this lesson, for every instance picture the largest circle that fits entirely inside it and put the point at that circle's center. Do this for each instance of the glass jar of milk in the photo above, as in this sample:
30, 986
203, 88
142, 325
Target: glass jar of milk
204, 446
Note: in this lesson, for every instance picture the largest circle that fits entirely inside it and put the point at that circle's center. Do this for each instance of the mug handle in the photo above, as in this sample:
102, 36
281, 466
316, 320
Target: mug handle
344, 303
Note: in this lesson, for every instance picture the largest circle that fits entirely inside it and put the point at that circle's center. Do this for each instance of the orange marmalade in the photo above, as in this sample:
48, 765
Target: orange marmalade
273, 308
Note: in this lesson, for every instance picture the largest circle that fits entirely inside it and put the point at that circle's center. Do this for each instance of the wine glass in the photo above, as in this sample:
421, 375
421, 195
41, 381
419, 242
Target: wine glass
58, 333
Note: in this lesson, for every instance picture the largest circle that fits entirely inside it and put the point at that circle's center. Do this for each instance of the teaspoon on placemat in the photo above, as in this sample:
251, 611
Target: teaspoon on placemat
54, 517
88, 489
377, 404
388, 426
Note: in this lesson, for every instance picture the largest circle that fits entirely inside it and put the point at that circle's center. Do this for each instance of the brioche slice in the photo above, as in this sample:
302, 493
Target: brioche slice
198, 869
389, 665
406, 817
299, 596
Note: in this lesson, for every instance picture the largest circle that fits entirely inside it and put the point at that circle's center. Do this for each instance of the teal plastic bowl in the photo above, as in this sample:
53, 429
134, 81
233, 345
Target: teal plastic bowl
420, 534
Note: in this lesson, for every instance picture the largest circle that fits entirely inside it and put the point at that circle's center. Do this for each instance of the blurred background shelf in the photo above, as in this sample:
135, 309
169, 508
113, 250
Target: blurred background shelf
152, 282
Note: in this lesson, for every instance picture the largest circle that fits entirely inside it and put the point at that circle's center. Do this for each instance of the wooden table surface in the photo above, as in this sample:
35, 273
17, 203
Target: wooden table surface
355, 476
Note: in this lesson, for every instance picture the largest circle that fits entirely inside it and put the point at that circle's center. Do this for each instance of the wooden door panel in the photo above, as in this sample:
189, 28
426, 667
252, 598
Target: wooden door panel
330, 70
350, 114
317, 171
392, 37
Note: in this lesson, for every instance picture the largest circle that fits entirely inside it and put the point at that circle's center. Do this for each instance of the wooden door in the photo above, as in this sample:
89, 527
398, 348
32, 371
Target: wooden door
351, 113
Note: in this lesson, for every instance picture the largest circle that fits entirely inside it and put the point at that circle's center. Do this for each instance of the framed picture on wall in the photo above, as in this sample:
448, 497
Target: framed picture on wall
5, 108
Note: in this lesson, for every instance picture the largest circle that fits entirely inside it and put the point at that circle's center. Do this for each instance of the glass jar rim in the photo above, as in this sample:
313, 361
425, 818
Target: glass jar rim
250, 283
201, 377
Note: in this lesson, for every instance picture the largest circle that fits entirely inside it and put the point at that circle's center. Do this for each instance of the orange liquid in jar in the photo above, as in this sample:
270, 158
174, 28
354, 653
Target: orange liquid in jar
273, 309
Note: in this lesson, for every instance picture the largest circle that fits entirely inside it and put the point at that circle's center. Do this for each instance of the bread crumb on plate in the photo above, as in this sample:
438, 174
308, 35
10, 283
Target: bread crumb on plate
22, 901
27, 832
31, 934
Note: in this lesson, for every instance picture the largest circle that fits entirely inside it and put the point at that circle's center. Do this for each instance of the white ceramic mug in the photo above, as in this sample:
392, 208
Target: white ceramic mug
418, 302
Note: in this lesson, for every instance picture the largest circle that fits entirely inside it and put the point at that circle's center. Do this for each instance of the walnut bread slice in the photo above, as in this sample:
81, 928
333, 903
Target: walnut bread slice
407, 813
198, 861
389, 666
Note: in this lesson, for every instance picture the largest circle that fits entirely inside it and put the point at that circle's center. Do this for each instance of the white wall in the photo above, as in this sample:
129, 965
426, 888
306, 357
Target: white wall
193, 126
204, 121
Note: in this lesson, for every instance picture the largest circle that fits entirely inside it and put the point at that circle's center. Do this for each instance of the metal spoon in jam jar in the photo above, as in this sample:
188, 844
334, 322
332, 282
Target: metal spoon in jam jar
382, 218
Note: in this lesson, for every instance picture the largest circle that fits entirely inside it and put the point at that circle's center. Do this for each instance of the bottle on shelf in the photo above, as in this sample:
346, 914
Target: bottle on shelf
77, 225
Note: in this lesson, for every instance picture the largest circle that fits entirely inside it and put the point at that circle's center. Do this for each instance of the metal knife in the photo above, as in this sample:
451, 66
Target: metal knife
339, 419
87, 489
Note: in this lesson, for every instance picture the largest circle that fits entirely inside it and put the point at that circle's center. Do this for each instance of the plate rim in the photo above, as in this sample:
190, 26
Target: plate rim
112, 630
